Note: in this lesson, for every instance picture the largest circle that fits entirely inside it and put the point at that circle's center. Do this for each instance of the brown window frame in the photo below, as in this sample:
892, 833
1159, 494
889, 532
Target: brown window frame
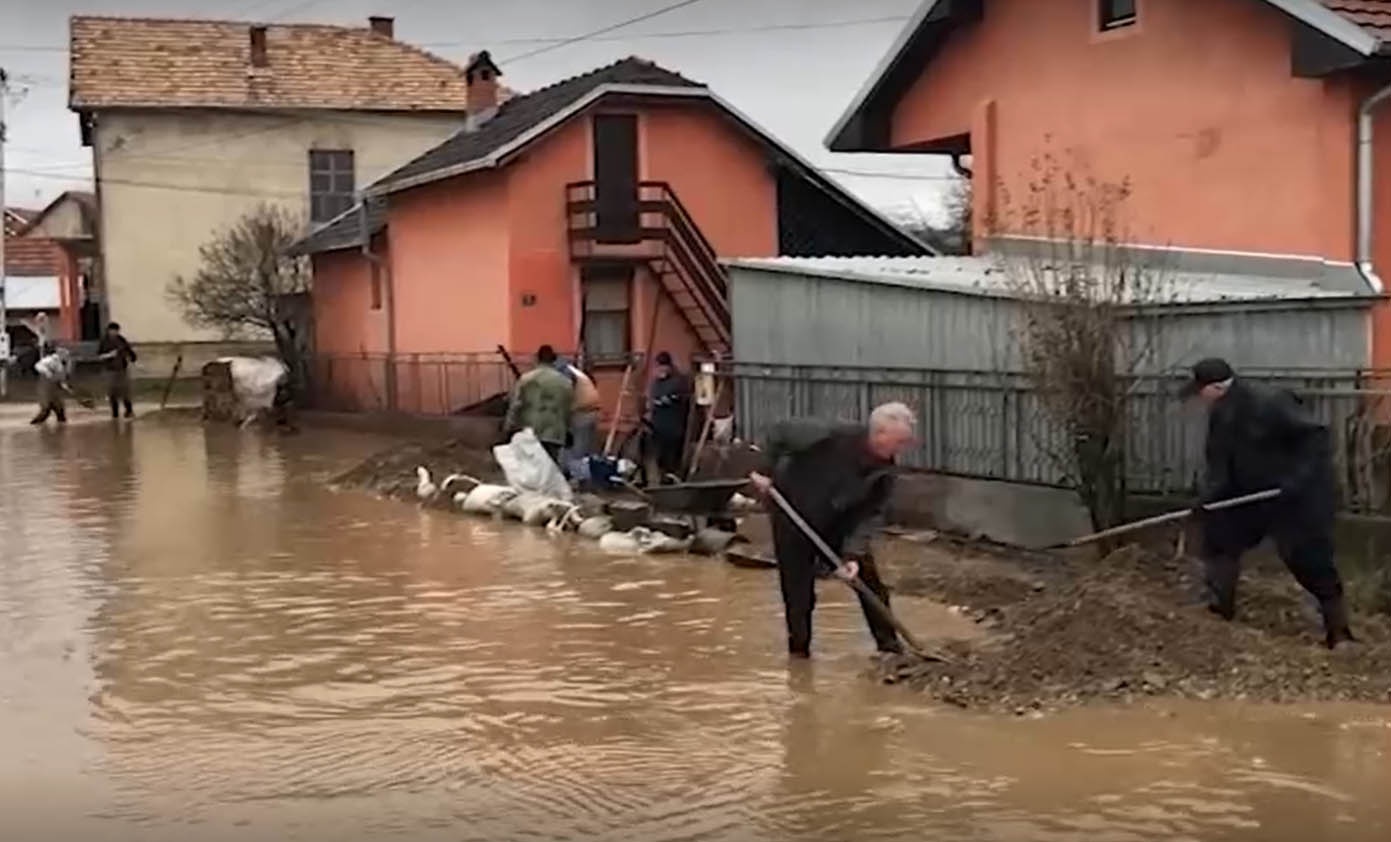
607, 274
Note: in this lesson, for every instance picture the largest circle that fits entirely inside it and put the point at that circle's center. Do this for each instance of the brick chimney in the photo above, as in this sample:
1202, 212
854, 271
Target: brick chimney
383, 26
481, 75
258, 47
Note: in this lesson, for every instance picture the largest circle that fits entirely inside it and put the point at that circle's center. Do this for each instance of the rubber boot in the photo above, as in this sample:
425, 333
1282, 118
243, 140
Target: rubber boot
1220, 576
1336, 628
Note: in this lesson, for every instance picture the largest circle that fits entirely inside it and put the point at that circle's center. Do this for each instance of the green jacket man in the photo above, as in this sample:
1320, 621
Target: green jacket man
542, 400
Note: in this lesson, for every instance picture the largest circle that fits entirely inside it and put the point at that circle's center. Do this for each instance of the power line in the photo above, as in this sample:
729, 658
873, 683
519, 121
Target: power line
603, 30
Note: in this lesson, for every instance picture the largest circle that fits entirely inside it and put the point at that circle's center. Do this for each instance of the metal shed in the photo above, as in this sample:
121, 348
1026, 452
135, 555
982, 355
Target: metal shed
958, 313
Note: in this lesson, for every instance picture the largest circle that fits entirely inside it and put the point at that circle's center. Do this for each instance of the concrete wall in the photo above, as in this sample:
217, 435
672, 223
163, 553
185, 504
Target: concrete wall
169, 180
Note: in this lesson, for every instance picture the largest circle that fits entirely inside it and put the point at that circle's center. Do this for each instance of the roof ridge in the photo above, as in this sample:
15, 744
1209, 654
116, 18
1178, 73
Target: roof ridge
221, 21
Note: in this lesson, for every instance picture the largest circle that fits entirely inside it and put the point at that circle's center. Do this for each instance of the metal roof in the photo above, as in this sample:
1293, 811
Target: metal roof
988, 276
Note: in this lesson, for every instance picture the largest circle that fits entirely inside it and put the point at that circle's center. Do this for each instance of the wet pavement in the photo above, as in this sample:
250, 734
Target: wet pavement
200, 639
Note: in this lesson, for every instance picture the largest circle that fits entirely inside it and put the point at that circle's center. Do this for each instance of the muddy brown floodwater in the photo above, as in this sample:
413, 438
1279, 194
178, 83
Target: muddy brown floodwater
200, 640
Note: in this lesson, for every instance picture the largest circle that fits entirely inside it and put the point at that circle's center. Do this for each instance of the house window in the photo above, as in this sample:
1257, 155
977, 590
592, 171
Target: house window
605, 330
1116, 13
376, 286
330, 183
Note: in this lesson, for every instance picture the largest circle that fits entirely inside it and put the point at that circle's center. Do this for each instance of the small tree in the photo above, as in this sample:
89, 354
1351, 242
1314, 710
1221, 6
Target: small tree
953, 236
245, 282
1080, 341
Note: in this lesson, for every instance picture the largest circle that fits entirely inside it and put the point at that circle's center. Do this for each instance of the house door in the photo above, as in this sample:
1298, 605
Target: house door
616, 178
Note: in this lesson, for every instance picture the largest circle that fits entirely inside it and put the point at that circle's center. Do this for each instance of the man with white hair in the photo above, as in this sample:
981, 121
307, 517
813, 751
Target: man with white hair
839, 478
1261, 438
53, 368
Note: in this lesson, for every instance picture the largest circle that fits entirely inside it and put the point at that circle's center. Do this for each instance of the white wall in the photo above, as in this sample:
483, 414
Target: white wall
169, 180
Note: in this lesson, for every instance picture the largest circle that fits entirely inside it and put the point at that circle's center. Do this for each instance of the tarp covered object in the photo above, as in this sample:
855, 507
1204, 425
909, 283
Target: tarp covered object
254, 380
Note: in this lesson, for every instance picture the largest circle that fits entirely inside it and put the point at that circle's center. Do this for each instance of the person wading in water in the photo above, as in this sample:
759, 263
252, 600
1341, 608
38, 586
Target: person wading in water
116, 353
839, 479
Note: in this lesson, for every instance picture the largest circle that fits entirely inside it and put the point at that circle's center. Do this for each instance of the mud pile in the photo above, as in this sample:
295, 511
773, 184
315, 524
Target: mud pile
391, 473
1076, 630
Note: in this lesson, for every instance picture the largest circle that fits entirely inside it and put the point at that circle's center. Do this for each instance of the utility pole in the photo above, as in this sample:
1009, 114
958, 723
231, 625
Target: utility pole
4, 326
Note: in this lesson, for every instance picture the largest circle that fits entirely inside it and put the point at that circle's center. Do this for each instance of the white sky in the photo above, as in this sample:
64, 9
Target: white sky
791, 65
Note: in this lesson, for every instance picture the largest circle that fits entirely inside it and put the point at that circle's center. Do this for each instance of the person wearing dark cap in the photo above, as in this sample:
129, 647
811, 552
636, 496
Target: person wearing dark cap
541, 401
116, 353
669, 401
1260, 437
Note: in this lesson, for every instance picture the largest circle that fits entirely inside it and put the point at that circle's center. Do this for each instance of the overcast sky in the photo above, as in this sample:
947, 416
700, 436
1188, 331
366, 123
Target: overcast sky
791, 65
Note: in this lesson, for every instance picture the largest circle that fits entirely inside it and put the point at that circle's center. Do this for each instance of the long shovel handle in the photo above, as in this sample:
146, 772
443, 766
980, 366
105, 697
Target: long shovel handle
1170, 517
870, 597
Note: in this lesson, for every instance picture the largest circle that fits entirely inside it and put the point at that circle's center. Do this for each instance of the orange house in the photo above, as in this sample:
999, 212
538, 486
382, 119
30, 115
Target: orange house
590, 215
1255, 134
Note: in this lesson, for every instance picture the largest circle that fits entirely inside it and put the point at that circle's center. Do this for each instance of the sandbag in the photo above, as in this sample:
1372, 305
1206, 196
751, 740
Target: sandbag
535, 509
528, 467
596, 527
619, 543
486, 499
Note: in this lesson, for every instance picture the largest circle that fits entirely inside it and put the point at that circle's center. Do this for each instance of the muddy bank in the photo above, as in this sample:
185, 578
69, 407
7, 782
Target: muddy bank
392, 472
1079, 629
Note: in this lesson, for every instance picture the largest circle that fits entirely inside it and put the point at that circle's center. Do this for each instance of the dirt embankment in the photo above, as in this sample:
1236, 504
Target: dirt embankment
392, 473
1078, 629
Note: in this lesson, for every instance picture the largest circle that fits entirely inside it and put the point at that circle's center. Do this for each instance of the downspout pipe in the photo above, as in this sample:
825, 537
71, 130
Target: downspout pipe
1366, 131
389, 288
959, 167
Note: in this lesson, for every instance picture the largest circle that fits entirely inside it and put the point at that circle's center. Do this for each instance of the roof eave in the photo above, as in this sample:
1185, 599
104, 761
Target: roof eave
495, 158
848, 133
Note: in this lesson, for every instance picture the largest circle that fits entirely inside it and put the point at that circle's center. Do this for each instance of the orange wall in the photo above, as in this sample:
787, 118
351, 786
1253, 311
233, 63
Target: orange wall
720, 175
1196, 105
449, 261
344, 320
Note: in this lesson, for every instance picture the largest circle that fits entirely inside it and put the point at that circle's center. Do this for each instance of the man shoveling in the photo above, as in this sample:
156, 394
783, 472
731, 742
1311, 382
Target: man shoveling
1258, 438
839, 479
54, 369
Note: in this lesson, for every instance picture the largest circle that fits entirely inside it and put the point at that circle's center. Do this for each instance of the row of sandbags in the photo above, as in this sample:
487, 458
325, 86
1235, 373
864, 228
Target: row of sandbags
558, 515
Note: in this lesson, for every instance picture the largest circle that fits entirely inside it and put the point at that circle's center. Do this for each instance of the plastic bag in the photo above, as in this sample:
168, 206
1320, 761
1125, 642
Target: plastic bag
528, 467
535, 509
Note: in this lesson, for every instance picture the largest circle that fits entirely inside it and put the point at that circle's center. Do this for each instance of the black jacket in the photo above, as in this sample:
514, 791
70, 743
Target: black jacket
830, 477
125, 354
1261, 437
669, 403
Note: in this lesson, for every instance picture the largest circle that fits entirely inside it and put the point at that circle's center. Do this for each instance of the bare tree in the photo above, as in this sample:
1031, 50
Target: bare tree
1081, 337
960, 215
246, 285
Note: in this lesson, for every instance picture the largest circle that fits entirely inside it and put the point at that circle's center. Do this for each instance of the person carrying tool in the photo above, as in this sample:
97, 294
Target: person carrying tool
668, 408
541, 401
1260, 437
839, 478
116, 353
54, 367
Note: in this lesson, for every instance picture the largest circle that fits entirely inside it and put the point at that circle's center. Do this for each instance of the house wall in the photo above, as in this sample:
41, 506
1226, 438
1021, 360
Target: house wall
169, 180
344, 320
1195, 106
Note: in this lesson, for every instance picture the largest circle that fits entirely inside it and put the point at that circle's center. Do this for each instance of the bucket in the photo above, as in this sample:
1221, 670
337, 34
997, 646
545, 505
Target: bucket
602, 470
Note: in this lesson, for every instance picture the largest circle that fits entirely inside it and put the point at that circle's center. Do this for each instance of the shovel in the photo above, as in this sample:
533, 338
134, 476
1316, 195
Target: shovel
1158, 520
871, 599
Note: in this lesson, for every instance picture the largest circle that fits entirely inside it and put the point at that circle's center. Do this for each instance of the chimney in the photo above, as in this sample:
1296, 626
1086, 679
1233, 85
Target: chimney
481, 78
258, 47
384, 26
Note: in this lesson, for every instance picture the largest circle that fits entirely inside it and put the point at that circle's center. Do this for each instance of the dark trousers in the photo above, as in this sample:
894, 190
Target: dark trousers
1303, 534
118, 392
670, 446
799, 566
50, 403
553, 450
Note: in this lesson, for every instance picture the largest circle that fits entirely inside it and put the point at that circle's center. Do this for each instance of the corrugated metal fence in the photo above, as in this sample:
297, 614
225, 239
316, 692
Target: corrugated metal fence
994, 425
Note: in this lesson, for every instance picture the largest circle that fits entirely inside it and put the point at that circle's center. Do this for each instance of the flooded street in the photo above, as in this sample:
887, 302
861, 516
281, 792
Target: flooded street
199, 639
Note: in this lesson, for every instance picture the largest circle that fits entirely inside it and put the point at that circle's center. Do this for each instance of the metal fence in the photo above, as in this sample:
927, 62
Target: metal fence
420, 384
995, 425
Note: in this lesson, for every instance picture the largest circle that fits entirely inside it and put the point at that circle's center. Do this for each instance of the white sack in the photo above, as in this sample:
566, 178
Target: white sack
528, 467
